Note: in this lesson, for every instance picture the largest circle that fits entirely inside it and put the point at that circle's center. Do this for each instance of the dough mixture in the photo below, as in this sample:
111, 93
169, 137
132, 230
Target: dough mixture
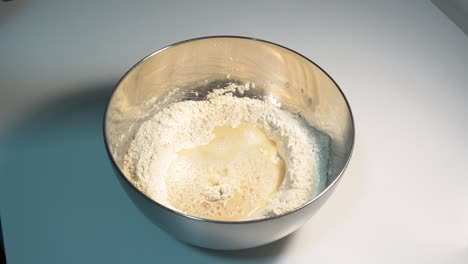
228, 158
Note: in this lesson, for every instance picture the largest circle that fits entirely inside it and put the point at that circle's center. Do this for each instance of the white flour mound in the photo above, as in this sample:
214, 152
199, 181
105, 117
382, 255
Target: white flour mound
189, 124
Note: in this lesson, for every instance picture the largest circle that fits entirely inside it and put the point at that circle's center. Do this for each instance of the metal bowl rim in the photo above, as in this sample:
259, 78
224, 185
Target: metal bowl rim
114, 163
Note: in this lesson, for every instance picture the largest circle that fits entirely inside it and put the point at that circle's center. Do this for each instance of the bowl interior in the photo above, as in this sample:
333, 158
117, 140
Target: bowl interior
190, 70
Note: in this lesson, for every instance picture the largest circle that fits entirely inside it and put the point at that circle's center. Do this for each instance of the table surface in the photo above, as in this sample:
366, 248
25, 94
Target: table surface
402, 64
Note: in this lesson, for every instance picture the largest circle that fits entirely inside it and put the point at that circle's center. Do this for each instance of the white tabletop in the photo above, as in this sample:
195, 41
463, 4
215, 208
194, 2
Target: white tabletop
403, 65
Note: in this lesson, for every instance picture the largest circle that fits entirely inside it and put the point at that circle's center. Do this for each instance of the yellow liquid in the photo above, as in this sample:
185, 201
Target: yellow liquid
242, 158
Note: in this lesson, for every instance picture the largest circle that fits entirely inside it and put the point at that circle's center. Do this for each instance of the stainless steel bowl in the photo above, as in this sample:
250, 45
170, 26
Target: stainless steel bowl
190, 69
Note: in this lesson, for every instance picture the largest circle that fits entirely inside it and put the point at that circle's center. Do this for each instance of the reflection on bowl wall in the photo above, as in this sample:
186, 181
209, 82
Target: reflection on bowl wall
189, 70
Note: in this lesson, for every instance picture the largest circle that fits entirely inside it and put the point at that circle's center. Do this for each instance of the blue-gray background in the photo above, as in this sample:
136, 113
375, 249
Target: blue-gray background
402, 64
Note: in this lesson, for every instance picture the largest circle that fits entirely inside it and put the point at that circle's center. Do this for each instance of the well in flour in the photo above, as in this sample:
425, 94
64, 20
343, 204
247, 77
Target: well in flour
228, 158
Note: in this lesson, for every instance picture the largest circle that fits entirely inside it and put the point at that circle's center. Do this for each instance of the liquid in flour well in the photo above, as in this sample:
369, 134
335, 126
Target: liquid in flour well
229, 178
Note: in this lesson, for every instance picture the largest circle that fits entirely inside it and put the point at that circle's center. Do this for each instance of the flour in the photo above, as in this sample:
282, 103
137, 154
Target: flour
218, 192
229, 89
188, 124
